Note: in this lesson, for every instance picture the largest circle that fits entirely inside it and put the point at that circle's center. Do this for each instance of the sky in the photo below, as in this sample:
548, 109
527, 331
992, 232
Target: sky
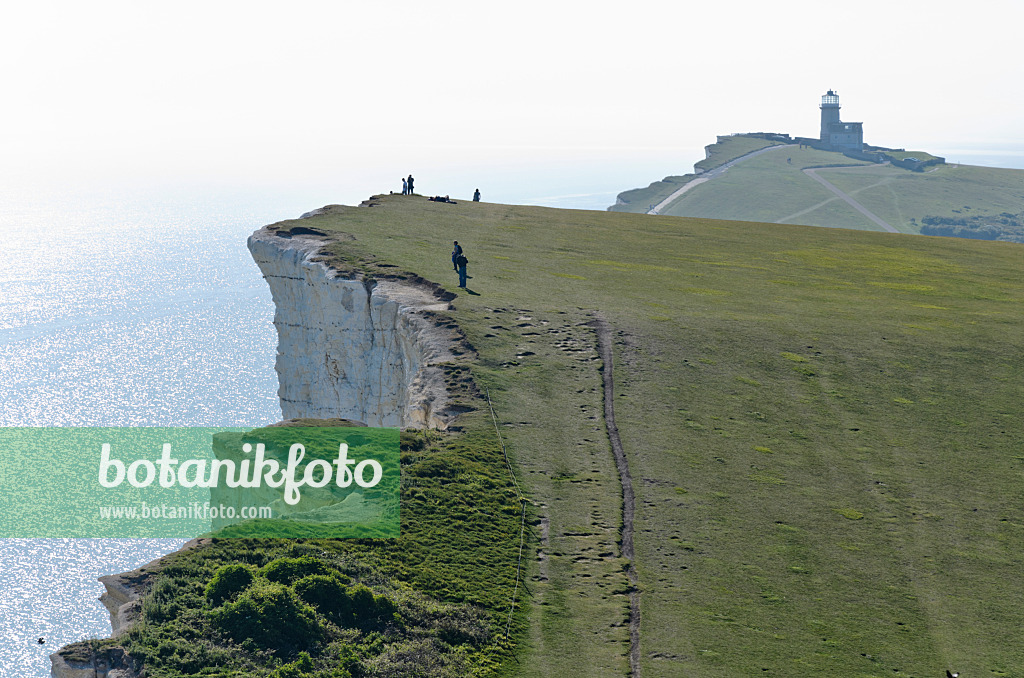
575, 95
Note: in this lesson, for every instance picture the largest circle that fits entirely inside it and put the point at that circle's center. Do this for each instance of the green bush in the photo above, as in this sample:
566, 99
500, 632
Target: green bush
362, 601
386, 607
300, 668
272, 616
227, 582
369, 610
290, 570
328, 595
162, 603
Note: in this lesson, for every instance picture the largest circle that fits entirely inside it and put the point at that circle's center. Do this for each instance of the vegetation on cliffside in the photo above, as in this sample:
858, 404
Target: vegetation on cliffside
1005, 226
722, 151
434, 602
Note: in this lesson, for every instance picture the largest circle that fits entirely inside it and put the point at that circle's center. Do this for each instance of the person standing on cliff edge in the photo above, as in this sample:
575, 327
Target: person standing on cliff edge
476, 195
461, 261
456, 251
409, 180
405, 186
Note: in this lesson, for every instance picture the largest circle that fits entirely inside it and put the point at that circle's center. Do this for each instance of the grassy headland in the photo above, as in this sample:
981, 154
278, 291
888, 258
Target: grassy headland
728, 149
822, 427
774, 188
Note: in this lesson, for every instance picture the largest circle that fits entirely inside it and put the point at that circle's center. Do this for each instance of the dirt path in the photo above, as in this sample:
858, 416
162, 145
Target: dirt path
604, 343
813, 173
708, 176
825, 202
794, 215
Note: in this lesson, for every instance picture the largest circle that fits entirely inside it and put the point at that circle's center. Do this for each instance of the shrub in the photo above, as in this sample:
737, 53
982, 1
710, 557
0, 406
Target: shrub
369, 610
386, 607
227, 582
328, 595
299, 668
345, 606
163, 602
362, 600
423, 657
289, 570
272, 616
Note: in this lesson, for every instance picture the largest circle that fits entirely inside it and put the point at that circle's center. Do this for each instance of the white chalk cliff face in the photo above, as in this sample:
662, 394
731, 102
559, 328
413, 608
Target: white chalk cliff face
350, 349
346, 349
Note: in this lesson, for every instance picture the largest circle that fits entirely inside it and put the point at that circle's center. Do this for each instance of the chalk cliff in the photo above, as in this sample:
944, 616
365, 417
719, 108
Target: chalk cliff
111, 663
349, 348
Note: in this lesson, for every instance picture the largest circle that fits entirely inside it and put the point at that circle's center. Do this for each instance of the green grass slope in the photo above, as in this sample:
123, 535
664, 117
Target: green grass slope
639, 200
773, 188
904, 198
822, 426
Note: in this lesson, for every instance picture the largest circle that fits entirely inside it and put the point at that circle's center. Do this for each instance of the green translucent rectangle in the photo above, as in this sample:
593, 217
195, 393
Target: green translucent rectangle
331, 482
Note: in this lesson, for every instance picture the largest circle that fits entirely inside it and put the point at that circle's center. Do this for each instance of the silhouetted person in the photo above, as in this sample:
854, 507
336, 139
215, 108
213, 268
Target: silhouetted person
476, 195
456, 251
409, 180
461, 261
405, 187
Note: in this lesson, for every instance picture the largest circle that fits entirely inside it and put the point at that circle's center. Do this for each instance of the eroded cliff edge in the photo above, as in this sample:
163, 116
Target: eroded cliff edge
353, 348
370, 351
122, 599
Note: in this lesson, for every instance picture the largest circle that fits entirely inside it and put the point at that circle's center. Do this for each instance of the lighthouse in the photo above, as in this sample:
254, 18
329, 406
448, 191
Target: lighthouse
829, 113
836, 134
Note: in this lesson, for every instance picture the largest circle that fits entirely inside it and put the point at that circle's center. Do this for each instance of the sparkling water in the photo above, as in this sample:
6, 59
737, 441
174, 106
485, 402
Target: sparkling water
121, 309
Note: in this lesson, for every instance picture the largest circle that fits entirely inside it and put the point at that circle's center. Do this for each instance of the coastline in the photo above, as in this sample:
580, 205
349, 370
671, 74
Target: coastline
398, 310
122, 596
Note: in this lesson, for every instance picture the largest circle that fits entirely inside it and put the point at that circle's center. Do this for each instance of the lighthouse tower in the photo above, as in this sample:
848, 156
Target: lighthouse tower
829, 113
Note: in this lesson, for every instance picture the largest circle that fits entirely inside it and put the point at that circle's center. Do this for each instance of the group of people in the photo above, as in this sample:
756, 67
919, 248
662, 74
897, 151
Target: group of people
407, 183
459, 260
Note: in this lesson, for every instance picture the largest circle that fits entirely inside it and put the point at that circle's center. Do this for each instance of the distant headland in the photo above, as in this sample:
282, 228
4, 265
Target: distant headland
838, 180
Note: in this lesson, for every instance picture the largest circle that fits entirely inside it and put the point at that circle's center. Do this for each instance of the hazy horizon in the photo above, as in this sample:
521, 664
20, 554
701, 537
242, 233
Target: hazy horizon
575, 96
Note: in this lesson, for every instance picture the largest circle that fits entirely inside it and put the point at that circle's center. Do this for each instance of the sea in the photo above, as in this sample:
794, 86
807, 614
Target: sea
137, 304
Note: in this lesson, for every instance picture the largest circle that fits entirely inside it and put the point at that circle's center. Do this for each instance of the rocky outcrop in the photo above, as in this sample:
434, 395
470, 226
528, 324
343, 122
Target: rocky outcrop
80, 661
352, 348
122, 599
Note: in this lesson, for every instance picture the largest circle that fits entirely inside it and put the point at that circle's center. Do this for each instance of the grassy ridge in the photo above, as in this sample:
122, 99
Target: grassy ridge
820, 424
904, 198
639, 200
769, 188
773, 188
730, 148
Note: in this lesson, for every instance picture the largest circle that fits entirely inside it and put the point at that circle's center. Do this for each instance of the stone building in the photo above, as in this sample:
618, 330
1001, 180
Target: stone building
839, 135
